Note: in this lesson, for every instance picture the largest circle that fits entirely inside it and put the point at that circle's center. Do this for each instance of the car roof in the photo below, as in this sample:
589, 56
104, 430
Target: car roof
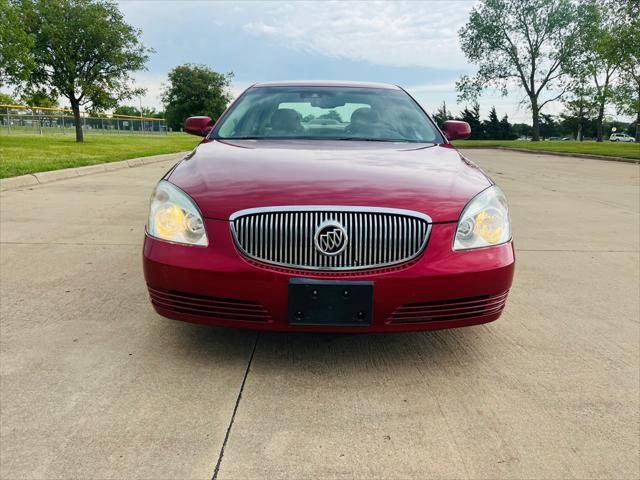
326, 83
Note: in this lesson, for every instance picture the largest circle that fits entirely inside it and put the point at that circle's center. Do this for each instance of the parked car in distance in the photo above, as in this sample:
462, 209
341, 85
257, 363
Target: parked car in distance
621, 137
371, 223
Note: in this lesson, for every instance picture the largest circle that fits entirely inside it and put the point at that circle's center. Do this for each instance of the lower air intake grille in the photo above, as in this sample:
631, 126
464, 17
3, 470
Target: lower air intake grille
458, 309
211, 307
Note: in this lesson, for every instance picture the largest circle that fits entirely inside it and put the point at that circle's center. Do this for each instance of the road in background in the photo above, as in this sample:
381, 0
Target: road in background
94, 384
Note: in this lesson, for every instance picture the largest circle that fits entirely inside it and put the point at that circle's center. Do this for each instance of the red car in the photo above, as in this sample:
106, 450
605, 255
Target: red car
328, 206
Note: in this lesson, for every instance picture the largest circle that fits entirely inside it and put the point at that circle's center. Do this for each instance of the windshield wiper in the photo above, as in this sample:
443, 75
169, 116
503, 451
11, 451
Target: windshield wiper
349, 139
389, 140
240, 138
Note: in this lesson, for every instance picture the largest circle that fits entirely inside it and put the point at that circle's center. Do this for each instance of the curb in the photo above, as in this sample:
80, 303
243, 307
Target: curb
39, 178
557, 154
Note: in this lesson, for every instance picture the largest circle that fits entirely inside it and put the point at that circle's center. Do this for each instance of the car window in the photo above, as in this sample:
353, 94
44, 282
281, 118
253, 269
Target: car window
325, 113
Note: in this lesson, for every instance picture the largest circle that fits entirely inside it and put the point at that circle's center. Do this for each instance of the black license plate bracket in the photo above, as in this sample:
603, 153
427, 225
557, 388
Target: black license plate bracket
330, 302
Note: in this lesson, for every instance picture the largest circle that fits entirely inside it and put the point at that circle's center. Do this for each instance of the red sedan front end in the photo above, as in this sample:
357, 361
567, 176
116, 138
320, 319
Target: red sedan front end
291, 218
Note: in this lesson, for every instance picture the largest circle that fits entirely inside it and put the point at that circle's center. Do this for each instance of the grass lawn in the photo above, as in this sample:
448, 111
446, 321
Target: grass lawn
22, 154
610, 149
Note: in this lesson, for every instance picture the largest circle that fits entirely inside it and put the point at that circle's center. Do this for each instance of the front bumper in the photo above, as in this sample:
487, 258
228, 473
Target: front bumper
216, 285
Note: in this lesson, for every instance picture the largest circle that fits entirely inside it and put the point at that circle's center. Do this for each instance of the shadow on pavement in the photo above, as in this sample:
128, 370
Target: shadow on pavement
292, 350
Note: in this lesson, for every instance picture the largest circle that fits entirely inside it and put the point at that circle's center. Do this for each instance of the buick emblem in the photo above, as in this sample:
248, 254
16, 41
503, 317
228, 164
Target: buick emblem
330, 238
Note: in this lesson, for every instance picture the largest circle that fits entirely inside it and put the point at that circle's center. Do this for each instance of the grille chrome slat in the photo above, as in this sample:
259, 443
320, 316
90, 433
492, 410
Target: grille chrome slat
376, 237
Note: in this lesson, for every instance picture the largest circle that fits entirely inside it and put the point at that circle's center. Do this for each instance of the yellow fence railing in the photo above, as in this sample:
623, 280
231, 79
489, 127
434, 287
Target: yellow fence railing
39, 120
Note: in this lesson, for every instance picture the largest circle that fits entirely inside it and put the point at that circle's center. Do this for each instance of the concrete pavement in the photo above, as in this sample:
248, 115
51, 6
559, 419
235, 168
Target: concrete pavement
93, 384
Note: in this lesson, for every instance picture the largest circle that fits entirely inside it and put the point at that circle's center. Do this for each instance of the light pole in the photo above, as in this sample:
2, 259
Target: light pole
141, 120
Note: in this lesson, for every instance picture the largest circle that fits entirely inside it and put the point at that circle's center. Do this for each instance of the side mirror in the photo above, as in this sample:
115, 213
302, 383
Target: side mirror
200, 126
454, 130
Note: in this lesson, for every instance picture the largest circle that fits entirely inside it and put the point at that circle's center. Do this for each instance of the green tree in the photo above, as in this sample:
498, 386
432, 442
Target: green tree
135, 111
442, 114
195, 90
519, 43
39, 98
627, 96
332, 115
472, 117
150, 112
6, 99
548, 127
492, 125
521, 130
83, 50
127, 110
506, 132
599, 52
627, 92
579, 106
16, 60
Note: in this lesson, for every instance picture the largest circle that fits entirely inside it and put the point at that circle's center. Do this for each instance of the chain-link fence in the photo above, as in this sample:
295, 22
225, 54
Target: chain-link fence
19, 119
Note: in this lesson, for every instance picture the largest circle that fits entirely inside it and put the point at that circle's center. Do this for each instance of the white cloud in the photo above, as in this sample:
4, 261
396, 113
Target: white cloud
447, 87
153, 83
422, 34
238, 87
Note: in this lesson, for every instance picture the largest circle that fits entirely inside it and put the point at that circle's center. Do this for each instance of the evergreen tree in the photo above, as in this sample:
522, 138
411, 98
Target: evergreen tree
506, 132
521, 130
492, 125
472, 117
442, 114
548, 127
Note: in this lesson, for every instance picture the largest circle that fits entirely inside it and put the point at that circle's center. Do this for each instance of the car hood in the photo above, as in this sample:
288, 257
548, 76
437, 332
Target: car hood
224, 177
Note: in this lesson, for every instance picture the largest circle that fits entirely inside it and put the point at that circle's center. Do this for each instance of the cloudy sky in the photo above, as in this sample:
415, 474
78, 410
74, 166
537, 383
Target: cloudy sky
413, 44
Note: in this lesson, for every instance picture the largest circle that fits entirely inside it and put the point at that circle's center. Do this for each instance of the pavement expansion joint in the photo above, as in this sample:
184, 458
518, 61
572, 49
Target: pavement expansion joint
235, 409
573, 250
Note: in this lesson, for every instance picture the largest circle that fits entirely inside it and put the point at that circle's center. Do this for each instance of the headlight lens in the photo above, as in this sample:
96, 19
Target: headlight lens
174, 217
484, 221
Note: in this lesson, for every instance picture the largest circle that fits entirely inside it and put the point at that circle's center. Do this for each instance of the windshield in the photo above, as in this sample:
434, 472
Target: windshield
327, 113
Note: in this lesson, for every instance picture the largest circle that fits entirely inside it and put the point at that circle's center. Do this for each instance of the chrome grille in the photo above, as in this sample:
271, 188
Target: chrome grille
284, 236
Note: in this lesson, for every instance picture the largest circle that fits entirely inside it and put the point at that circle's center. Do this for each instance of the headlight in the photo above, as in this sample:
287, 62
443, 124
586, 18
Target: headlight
174, 217
484, 221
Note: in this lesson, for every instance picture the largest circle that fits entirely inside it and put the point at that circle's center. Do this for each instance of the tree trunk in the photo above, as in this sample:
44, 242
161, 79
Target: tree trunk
580, 124
535, 117
77, 121
603, 100
599, 128
638, 118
